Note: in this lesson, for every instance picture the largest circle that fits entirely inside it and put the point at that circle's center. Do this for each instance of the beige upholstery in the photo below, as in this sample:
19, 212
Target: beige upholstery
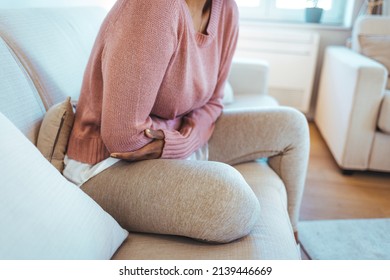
249, 79
371, 37
19, 99
45, 56
39, 40
351, 111
384, 115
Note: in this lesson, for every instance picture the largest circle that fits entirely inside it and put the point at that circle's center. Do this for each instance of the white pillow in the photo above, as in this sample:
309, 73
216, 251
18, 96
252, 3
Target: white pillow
228, 96
42, 215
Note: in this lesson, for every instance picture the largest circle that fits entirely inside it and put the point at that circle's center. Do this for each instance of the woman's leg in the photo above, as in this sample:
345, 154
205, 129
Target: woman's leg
204, 200
279, 134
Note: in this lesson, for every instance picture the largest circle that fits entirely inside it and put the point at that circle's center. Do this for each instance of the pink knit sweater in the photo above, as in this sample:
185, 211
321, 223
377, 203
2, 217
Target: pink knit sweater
149, 68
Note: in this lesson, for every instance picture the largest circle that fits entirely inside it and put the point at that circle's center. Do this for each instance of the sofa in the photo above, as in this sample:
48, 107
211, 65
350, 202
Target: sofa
353, 106
43, 54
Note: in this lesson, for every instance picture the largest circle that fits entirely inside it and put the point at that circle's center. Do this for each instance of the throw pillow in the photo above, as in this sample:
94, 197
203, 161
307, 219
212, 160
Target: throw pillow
54, 133
228, 96
377, 47
42, 215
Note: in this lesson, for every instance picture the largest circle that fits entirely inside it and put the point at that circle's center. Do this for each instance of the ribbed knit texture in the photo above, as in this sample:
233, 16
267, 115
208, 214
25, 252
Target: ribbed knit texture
149, 68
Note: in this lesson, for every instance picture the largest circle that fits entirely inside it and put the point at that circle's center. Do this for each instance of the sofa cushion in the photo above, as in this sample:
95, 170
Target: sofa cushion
19, 99
54, 133
377, 47
384, 114
54, 45
42, 215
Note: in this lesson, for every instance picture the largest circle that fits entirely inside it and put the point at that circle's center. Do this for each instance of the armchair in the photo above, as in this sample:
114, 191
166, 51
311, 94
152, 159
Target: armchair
353, 107
249, 81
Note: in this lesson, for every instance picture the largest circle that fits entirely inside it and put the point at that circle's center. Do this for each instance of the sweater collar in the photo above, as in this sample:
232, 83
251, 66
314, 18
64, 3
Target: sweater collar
204, 40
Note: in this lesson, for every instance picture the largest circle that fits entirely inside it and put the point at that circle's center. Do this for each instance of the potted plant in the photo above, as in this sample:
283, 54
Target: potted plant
313, 13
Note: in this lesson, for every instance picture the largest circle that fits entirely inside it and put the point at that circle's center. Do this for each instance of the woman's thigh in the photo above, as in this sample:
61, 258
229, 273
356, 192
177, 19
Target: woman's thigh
204, 200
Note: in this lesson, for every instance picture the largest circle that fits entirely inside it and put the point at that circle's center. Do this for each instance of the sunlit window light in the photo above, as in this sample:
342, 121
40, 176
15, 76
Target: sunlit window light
248, 3
301, 4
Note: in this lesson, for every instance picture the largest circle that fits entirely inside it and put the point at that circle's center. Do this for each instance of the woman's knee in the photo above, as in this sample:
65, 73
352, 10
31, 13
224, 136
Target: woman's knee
228, 208
295, 121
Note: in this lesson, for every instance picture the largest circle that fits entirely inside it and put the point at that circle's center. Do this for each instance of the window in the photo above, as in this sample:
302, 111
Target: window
291, 10
301, 4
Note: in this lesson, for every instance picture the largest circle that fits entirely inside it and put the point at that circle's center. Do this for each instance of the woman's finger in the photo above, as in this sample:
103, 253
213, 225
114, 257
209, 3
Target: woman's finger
151, 151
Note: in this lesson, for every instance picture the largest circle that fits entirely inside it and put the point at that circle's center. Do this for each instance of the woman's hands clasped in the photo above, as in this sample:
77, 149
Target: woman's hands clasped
153, 150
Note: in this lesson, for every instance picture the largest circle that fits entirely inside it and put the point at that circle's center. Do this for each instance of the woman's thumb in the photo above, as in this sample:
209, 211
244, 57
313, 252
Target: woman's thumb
154, 134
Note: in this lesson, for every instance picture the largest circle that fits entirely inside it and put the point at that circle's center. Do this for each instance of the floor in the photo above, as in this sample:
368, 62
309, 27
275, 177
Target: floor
331, 195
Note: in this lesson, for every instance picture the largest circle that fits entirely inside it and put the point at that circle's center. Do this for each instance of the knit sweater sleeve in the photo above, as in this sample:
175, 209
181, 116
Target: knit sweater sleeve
198, 125
137, 51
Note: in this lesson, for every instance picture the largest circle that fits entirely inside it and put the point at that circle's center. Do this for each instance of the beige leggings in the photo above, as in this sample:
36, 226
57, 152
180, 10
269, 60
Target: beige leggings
208, 200
280, 134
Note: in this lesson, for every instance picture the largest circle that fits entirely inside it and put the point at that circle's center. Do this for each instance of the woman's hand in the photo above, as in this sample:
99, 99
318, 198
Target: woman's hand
153, 150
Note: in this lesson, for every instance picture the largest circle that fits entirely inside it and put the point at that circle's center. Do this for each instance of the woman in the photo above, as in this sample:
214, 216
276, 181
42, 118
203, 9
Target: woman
153, 89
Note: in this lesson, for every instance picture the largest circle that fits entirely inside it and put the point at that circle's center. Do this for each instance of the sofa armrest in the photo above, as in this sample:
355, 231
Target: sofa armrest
350, 93
249, 76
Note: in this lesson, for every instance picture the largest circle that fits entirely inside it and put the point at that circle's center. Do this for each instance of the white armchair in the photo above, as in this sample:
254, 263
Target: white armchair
249, 81
353, 108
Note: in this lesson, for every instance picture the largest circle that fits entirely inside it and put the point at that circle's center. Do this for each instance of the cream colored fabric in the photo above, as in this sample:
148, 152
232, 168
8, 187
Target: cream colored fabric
377, 47
280, 134
228, 96
53, 45
271, 238
42, 215
252, 101
54, 133
369, 25
350, 93
249, 82
78, 172
204, 200
249, 76
368, 29
19, 100
380, 155
384, 114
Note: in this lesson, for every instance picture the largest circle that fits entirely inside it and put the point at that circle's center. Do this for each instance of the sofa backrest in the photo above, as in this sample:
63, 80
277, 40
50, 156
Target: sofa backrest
44, 52
19, 100
371, 37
